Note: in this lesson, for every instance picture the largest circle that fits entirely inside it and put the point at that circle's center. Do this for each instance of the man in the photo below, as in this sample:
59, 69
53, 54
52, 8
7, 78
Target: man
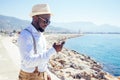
32, 46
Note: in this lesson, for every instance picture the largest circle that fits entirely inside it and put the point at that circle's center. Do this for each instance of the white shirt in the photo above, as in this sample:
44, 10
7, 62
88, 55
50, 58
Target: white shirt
29, 60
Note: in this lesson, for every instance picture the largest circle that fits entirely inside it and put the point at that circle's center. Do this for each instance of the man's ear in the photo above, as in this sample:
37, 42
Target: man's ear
35, 18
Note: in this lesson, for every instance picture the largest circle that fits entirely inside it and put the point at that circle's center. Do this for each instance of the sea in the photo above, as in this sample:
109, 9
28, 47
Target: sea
103, 48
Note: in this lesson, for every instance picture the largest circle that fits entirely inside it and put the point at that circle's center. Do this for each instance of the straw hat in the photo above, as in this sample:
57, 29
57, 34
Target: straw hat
40, 9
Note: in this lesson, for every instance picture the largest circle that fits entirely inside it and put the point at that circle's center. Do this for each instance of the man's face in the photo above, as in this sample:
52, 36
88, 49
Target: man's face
43, 21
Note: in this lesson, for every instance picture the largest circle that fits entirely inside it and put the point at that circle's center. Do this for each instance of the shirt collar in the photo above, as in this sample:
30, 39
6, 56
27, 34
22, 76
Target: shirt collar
33, 29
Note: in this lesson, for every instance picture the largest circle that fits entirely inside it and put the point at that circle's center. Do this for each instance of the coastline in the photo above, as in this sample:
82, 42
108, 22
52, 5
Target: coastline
70, 65
65, 65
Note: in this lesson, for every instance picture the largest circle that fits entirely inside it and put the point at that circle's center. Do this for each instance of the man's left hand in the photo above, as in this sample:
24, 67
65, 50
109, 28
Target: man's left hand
48, 77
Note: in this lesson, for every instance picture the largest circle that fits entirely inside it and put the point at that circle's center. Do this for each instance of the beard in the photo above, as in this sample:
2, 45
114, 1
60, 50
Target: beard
40, 29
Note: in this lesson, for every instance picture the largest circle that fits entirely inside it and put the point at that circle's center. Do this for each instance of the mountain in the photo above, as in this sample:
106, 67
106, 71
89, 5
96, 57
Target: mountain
89, 27
11, 23
51, 28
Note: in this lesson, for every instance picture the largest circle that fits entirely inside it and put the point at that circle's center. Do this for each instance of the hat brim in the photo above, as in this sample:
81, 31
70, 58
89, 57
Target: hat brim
39, 13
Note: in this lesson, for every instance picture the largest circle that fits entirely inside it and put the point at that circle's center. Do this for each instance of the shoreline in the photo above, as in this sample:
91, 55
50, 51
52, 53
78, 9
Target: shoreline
69, 64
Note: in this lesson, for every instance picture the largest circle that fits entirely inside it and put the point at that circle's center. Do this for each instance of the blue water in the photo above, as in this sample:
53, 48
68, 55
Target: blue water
104, 48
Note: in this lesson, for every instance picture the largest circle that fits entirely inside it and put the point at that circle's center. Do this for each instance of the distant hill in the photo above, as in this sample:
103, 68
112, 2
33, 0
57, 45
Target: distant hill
11, 23
88, 27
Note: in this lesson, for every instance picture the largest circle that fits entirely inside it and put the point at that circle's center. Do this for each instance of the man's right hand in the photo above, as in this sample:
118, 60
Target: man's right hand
58, 46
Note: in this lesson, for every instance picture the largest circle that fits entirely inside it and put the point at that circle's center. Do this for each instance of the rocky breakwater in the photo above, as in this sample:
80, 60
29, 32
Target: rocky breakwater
71, 65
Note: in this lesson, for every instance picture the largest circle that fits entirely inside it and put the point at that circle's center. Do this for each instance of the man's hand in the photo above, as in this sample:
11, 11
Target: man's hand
48, 77
58, 46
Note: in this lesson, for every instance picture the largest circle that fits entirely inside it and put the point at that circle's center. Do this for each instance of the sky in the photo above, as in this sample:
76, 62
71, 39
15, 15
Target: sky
96, 11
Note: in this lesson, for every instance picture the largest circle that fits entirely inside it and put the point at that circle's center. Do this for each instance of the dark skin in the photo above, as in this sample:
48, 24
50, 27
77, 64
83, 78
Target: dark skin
39, 23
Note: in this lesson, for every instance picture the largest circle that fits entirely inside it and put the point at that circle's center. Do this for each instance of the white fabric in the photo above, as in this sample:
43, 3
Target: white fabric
29, 60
